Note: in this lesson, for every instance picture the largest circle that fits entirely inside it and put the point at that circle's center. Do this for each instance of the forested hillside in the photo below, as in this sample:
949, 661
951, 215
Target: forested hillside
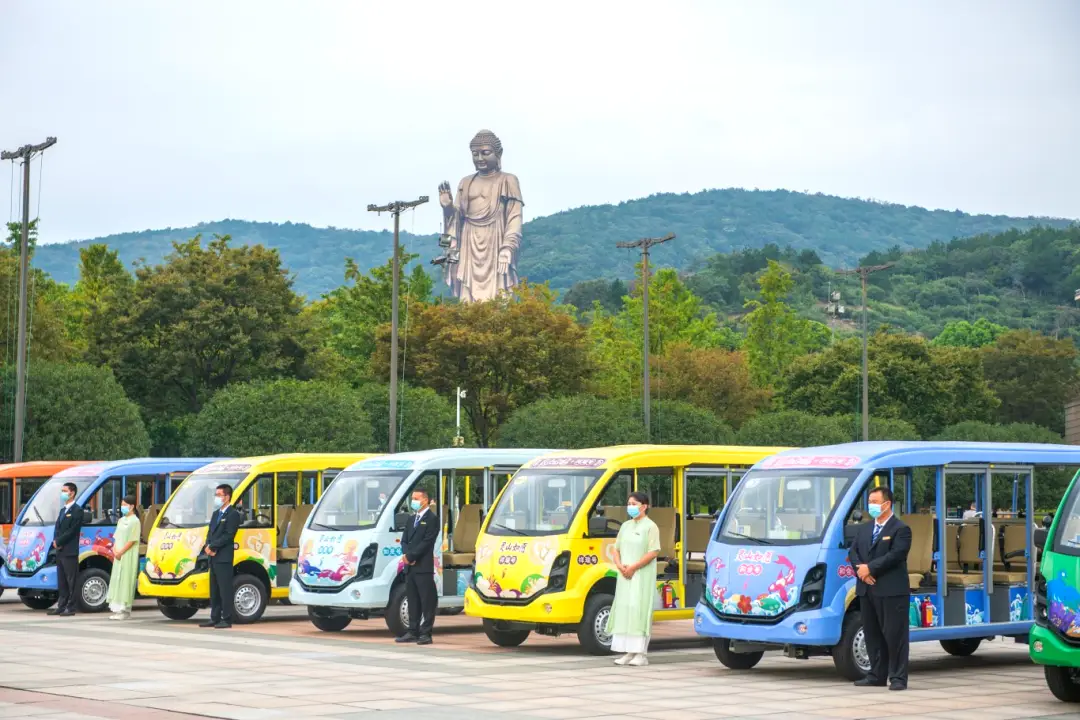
579, 244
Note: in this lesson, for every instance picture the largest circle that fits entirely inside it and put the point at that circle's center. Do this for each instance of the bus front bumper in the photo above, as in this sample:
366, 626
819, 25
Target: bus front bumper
1047, 648
195, 586
557, 608
821, 627
359, 594
44, 578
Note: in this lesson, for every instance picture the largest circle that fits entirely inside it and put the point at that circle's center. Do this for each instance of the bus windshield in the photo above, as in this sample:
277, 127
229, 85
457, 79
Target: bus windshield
540, 502
792, 505
1067, 540
44, 508
193, 502
355, 500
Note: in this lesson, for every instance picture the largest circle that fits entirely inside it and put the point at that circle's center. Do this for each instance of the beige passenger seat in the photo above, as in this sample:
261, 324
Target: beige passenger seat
664, 517
968, 555
147, 522
921, 556
284, 514
292, 537
1011, 570
697, 542
616, 512
466, 532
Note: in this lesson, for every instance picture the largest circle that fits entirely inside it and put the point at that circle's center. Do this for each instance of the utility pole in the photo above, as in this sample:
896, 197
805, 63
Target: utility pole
863, 273
25, 153
395, 209
645, 244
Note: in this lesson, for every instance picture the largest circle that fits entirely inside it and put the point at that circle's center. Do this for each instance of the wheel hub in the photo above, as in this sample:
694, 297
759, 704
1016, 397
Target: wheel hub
859, 651
403, 612
247, 600
94, 591
600, 626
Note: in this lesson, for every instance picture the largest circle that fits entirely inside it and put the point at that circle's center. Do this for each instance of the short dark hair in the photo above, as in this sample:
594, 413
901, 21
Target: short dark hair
642, 498
225, 488
423, 491
73, 488
886, 493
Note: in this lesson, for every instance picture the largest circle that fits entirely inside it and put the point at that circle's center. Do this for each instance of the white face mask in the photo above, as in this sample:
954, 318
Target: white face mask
218, 501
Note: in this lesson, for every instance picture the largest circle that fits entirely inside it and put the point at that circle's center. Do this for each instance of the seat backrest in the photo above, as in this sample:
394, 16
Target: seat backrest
284, 514
921, 556
951, 544
616, 512
467, 529
147, 521
664, 517
296, 524
1015, 540
697, 535
970, 534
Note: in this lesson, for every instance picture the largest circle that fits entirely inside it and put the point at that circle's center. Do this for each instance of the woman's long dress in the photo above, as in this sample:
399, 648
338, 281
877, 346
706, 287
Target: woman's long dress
124, 570
630, 623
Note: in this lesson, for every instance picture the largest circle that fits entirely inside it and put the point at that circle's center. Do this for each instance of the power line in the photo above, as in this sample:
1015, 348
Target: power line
864, 273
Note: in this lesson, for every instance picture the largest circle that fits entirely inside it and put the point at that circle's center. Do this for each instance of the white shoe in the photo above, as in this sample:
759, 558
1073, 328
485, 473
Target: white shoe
625, 659
116, 616
639, 660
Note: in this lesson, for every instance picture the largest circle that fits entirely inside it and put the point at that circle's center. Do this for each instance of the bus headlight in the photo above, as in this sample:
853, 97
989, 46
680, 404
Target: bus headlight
365, 569
559, 570
813, 589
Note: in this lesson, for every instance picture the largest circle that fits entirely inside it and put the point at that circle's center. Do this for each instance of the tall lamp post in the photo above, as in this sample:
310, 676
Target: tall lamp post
864, 272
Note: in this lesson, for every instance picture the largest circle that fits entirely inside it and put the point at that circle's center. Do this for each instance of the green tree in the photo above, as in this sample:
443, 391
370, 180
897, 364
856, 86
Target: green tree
775, 336
880, 428
609, 294
712, 378
506, 352
14, 238
75, 411
279, 416
205, 318
929, 387
425, 420
583, 421
961, 333
104, 292
1033, 375
792, 428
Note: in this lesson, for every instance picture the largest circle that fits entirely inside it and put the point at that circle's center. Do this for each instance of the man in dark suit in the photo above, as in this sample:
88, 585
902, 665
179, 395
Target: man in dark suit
879, 555
418, 547
66, 545
219, 547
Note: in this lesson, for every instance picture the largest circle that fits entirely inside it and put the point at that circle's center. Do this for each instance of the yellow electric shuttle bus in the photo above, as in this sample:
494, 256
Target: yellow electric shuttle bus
543, 557
274, 493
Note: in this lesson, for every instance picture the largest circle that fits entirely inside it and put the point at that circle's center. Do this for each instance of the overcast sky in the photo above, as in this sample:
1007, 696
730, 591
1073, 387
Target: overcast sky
169, 114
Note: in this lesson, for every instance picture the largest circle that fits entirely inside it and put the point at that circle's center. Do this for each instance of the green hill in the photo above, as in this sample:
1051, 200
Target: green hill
579, 244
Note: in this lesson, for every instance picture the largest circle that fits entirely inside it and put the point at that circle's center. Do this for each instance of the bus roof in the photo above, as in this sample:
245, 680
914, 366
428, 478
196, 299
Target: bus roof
38, 468
859, 455
138, 465
655, 455
284, 461
445, 457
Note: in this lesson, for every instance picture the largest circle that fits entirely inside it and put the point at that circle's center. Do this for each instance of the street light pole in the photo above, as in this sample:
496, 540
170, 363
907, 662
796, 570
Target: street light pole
395, 209
864, 273
645, 244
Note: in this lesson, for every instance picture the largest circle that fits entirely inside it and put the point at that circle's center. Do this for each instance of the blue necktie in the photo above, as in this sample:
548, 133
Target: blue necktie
877, 531
416, 522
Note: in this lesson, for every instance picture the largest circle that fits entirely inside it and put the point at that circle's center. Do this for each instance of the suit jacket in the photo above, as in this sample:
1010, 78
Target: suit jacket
418, 541
222, 535
68, 527
886, 558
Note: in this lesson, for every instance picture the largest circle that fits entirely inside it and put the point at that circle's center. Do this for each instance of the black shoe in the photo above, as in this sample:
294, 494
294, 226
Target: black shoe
208, 623
406, 638
898, 686
66, 613
867, 682
223, 625
423, 640
54, 611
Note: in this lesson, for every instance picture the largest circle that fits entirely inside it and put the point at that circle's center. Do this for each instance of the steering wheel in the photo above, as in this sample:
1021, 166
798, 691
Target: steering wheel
261, 519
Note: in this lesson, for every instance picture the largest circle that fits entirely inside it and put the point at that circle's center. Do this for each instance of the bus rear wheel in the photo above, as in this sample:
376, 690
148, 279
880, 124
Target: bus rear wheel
961, 647
1064, 682
328, 621
504, 638
177, 612
592, 631
37, 602
735, 660
850, 656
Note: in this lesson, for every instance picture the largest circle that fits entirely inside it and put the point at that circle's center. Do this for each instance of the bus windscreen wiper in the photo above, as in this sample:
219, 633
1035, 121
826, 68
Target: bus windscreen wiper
513, 530
752, 539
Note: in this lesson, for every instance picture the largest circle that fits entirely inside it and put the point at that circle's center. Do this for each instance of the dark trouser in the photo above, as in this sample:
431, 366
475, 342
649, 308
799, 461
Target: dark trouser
221, 592
423, 600
67, 570
885, 627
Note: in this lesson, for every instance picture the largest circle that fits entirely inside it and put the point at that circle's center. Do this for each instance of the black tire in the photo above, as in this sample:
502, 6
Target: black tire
1064, 682
735, 660
591, 633
250, 597
92, 590
962, 647
397, 611
504, 638
849, 655
328, 622
177, 612
38, 602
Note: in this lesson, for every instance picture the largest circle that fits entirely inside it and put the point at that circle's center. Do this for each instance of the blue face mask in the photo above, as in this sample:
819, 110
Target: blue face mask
415, 505
633, 511
875, 510
125, 510
65, 497
218, 501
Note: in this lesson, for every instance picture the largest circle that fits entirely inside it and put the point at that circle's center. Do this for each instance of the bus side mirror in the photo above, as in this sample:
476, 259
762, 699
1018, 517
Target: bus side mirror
1039, 537
401, 521
1048, 520
600, 526
856, 516
850, 532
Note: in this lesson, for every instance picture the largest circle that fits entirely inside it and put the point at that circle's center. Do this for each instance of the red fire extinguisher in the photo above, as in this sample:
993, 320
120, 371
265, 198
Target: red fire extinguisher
668, 595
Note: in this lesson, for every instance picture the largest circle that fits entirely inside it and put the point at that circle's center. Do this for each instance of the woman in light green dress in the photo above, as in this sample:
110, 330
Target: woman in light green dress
636, 549
125, 560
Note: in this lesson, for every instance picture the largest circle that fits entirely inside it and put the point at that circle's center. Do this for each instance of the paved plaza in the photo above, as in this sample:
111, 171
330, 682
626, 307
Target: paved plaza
90, 667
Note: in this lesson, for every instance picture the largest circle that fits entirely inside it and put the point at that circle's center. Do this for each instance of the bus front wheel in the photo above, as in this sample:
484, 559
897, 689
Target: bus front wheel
735, 660
961, 647
397, 611
92, 587
326, 621
1064, 682
592, 632
504, 638
250, 597
850, 656
37, 602
177, 612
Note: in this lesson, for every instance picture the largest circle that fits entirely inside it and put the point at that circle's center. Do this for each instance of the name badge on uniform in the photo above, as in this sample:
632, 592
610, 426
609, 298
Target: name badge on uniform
887, 537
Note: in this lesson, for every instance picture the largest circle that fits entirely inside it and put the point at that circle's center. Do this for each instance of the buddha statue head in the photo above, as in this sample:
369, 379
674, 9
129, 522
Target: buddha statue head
486, 152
